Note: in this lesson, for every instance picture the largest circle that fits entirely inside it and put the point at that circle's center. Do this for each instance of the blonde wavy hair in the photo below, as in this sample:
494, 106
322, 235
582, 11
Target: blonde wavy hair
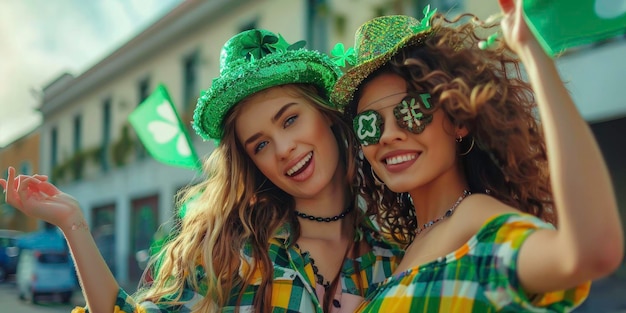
482, 90
235, 206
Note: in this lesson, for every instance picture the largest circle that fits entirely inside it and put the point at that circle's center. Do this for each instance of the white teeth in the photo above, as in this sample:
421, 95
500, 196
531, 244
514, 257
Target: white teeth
400, 159
300, 164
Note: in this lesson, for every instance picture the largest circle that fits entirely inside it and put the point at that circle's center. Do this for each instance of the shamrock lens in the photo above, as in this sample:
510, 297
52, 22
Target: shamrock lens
411, 112
367, 127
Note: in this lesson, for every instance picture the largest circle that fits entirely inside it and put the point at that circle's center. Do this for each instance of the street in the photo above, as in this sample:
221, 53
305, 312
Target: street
11, 303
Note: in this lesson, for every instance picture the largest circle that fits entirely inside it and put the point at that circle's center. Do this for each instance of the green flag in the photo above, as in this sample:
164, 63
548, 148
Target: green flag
563, 24
161, 131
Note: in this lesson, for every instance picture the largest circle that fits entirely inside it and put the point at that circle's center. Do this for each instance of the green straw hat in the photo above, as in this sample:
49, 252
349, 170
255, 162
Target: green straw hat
255, 60
375, 43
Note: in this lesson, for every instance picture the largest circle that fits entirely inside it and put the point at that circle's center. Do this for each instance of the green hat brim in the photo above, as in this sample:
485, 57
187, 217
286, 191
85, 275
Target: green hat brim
347, 85
289, 67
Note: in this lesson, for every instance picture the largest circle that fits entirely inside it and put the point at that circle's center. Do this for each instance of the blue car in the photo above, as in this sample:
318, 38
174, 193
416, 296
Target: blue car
8, 252
45, 273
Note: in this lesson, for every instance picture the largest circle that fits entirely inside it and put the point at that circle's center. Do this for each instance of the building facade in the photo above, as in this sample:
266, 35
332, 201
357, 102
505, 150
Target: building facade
23, 155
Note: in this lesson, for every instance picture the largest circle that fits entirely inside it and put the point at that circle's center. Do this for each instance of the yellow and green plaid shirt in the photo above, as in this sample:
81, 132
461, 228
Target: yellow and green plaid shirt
481, 277
293, 286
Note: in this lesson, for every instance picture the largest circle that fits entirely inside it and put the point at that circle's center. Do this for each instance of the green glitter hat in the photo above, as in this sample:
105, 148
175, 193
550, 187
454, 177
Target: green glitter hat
254, 60
375, 43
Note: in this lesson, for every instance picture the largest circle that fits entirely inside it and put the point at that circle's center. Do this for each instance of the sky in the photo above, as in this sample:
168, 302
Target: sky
41, 39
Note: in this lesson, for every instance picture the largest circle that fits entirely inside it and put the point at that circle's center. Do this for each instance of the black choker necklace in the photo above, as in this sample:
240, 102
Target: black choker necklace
325, 219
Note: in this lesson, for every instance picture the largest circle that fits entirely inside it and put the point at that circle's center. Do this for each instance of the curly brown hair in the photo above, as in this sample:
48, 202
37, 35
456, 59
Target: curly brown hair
484, 91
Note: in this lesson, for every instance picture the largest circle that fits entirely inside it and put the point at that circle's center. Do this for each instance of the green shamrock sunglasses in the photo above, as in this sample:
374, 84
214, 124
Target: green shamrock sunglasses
409, 113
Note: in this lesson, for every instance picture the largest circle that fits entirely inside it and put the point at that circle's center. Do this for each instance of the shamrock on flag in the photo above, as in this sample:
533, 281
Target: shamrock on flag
161, 131
563, 24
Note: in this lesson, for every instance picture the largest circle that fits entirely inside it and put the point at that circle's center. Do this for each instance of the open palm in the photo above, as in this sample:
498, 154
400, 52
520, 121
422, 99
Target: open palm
36, 197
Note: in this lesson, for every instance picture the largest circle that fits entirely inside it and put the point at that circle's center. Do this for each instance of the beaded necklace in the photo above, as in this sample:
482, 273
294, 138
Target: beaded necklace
447, 214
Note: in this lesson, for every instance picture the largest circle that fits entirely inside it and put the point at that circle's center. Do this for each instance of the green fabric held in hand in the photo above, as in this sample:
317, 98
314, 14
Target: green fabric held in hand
563, 24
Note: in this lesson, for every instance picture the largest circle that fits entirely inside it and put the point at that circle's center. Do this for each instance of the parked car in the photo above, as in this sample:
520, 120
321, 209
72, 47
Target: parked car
8, 252
45, 272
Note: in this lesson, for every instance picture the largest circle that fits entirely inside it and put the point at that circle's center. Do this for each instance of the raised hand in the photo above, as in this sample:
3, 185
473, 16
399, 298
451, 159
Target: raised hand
588, 254
514, 27
35, 196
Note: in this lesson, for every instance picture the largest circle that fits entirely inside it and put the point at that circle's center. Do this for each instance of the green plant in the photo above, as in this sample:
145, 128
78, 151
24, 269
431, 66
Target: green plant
123, 147
340, 24
77, 164
94, 154
322, 9
59, 171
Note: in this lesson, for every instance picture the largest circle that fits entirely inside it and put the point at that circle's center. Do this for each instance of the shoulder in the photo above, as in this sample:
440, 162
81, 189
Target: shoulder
477, 210
510, 225
280, 239
277, 250
485, 217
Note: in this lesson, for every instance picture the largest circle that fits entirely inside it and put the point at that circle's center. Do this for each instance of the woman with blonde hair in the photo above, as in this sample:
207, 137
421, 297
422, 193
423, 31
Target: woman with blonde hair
275, 226
469, 180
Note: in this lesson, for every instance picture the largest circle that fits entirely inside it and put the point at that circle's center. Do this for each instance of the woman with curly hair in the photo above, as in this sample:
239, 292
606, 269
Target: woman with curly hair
467, 178
275, 226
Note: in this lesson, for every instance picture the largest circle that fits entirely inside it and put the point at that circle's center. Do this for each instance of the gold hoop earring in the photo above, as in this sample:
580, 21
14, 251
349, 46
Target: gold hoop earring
377, 180
470, 148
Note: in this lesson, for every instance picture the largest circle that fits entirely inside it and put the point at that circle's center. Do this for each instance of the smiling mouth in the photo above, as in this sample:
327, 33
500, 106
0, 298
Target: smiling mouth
300, 166
400, 158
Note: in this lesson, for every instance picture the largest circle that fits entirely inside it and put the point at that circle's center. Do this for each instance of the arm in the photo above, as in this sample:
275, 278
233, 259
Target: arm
589, 241
35, 196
